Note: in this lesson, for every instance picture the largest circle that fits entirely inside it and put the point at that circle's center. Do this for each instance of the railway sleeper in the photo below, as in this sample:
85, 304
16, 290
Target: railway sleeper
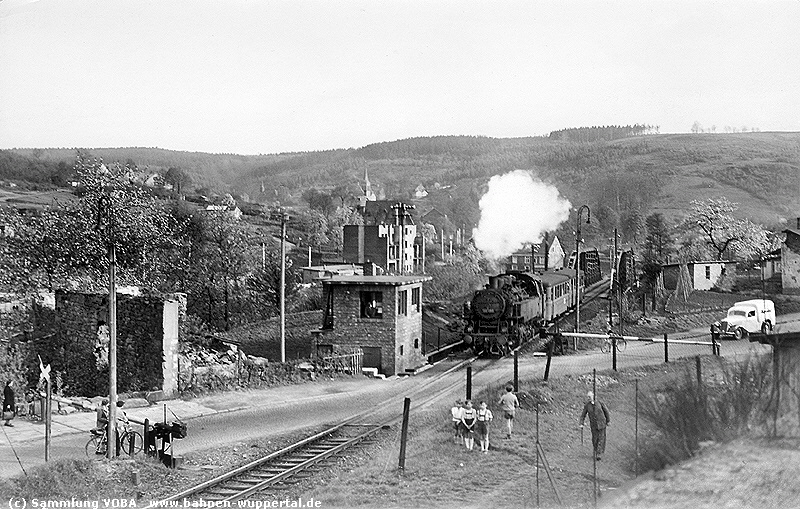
221, 492
243, 485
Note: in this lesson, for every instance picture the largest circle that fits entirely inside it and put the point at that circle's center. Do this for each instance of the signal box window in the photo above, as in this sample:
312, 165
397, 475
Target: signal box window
402, 302
371, 304
708, 272
415, 300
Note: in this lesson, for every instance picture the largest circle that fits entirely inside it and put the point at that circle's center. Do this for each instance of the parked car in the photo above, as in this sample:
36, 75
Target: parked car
745, 317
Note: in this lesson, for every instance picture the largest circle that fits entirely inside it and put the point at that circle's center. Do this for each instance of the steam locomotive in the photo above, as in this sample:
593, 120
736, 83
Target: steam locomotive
515, 305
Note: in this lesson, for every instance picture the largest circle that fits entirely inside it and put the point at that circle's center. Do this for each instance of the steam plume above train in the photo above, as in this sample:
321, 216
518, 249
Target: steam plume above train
517, 209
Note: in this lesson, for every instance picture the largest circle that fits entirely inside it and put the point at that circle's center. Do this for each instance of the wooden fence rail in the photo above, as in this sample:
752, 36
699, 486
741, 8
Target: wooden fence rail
344, 363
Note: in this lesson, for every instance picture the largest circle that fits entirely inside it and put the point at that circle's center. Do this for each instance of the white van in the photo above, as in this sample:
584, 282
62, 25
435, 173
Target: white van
756, 315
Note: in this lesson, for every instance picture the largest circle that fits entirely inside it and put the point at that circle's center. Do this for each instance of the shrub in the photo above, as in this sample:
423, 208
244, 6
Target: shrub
686, 414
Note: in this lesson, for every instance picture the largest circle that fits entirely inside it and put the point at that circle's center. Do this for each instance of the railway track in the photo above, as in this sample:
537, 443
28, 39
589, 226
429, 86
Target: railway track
305, 457
290, 464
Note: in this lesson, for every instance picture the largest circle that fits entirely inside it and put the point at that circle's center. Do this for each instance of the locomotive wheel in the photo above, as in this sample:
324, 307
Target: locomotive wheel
605, 347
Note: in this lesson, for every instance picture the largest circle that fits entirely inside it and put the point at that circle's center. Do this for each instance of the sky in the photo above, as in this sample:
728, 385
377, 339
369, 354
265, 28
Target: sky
268, 76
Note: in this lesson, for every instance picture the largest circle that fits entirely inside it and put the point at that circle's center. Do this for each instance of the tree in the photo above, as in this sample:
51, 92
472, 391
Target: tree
696, 127
221, 258
177, 178
320, 201
722, 232
67, 245
336, 223
657, 240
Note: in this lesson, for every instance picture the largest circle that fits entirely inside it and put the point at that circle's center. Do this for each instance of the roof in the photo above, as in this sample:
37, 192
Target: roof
376, 280
792, 231
698, 262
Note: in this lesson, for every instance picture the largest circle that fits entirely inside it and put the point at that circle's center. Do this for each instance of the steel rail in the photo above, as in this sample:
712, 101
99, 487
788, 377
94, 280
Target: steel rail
302, 466
254, 464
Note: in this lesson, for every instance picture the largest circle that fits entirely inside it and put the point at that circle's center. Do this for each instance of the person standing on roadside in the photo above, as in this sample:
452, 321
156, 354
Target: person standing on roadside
482, 427
455, 413
509, 403
468, 419
9, 403
599, 419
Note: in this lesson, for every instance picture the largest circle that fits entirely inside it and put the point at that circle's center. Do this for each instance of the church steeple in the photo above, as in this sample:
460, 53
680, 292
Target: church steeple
368, 193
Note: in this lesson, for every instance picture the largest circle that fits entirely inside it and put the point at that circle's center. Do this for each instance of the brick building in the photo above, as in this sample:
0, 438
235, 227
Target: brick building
389, 246
381, 315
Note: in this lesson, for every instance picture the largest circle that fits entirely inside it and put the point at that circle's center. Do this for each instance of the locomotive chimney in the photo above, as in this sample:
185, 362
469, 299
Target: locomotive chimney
546, 252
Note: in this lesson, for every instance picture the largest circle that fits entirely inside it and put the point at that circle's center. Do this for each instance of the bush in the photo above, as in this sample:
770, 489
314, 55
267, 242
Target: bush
687, 414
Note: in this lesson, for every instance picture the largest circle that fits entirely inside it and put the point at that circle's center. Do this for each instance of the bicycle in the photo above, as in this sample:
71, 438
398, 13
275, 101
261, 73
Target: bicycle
621, 342
131, 443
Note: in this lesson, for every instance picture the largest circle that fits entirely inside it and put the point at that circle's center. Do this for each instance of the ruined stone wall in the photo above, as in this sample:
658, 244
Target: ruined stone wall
147, 342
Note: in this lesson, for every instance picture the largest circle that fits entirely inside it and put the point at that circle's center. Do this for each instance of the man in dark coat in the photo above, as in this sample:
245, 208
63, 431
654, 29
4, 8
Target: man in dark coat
9, 403
599, 419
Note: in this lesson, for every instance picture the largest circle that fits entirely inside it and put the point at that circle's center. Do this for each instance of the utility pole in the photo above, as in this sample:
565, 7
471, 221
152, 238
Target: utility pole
578, 263
106, 218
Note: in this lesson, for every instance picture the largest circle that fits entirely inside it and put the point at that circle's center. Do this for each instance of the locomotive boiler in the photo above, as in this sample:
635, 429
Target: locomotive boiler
514, 305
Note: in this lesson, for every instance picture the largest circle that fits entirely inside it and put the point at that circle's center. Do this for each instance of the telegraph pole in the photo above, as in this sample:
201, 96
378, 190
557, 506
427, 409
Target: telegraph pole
105, 211
283, 286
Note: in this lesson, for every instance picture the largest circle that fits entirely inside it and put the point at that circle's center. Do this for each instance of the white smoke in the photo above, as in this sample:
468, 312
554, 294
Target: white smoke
517, 210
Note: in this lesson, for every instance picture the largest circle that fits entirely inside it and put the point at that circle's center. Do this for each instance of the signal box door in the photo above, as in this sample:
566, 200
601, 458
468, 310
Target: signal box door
372, 357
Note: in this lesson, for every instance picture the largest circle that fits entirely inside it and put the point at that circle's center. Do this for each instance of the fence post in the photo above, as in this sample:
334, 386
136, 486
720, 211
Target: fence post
699, 371
549, 357
146, 437
636, 433
666, 348
404, 434
469, 382
438, 338
516, 371
614, 353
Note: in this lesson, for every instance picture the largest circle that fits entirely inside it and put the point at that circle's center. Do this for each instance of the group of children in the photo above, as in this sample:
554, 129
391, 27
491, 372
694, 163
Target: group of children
469, 421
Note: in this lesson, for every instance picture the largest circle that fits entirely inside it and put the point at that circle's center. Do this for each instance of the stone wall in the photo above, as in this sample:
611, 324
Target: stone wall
147, 342
262, 339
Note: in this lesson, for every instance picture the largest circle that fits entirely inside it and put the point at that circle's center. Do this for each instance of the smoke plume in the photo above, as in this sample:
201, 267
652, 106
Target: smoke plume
517, 210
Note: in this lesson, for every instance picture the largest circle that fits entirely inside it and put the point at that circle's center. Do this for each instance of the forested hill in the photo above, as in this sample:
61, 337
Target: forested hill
621, 179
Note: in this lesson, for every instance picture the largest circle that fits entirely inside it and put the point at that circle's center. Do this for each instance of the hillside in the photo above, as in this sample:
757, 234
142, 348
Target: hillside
618, 179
